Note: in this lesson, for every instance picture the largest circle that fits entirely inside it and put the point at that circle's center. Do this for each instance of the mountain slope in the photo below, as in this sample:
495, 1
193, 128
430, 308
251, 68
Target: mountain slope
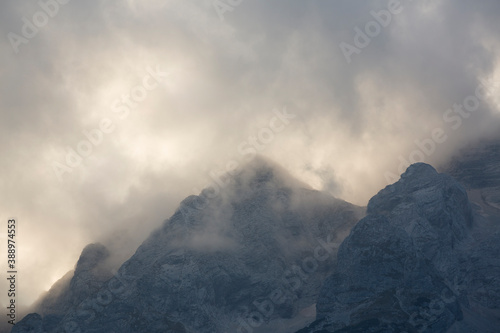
412, 264
478, 169
249, 256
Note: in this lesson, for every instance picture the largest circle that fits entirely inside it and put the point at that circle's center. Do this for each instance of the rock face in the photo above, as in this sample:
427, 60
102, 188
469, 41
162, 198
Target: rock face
259, 254
248, 257
478, 166
409, 265
90, 273
478, 169
88, 277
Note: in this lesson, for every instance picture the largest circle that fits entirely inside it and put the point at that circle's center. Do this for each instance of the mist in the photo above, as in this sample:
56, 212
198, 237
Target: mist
112, 112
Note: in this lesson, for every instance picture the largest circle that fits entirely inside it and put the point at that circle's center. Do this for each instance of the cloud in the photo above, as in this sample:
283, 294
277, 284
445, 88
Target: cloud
225, 79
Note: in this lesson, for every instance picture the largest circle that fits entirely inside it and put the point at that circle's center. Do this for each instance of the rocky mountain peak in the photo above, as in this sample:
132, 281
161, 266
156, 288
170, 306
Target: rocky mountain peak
435, 197
88, 276
401, 260
91, 256
259, 250
252, 236
260, 171
420, 170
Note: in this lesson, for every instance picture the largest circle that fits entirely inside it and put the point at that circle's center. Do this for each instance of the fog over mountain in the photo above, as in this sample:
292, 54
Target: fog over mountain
217, 260
266, 253
112, 112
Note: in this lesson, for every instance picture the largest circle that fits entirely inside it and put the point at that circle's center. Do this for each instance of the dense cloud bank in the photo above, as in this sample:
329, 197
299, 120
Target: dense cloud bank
112, 112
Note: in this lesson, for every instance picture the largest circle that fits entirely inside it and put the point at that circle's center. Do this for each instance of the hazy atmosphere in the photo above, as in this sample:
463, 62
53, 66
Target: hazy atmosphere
112, 112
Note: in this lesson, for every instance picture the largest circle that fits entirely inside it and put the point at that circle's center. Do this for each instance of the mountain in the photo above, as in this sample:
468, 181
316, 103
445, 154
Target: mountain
422, 260
88, 277
73, 288
265, 253
478, 169
249, 256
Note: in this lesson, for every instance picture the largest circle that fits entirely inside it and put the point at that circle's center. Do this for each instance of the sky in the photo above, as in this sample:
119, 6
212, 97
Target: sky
112, 112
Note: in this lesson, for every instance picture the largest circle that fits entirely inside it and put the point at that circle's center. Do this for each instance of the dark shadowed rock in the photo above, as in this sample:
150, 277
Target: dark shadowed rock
90, 273
32, 323
87, 278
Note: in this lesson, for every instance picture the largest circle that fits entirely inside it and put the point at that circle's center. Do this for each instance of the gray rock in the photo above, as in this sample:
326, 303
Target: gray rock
248, 256
396, 269
478, 169
32, 323
87, 278
257, 254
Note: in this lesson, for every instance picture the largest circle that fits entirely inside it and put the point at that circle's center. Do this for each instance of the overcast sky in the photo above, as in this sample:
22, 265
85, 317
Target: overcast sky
337, 92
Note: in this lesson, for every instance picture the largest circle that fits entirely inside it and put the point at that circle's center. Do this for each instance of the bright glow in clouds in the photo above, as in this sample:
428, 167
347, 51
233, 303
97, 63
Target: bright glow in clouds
163, 137
493, 88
